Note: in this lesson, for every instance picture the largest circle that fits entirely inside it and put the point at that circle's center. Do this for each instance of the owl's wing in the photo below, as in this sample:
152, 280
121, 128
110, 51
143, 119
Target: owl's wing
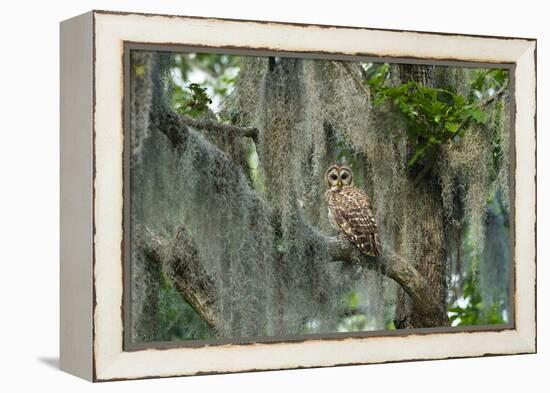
355, 218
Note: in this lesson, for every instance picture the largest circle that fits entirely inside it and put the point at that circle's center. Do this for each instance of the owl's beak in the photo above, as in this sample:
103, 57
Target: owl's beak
339, 183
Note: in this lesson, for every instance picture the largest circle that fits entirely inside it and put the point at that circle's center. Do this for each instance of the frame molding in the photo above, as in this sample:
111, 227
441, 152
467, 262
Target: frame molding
103, 356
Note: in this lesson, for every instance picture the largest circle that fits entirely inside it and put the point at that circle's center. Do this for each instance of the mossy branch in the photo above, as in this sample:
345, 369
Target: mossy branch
182, 257
391, 265
212, 125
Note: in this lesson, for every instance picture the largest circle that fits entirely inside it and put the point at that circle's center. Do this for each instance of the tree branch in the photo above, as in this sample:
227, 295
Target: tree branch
389, 263
212, 125
181, 256
180, 260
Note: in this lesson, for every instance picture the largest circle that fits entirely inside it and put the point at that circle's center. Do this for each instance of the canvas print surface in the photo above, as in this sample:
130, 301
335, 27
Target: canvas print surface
275, 197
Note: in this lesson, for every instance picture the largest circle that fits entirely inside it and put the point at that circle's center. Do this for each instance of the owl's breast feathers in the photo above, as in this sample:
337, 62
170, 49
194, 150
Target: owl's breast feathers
350, 211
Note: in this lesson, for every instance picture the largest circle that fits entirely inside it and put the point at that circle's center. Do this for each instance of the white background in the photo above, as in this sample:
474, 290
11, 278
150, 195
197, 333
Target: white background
29, 196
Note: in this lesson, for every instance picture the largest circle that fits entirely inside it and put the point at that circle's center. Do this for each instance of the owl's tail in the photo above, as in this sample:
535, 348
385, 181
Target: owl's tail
370, 244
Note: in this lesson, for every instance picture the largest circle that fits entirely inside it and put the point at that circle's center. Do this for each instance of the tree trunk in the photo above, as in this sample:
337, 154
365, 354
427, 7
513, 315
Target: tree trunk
431, 266
430, 230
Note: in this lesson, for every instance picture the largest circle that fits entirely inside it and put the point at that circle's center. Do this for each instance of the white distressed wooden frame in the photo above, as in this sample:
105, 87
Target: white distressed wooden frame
92, 195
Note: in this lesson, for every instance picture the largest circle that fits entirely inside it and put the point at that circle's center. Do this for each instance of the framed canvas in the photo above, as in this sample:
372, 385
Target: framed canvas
246, 195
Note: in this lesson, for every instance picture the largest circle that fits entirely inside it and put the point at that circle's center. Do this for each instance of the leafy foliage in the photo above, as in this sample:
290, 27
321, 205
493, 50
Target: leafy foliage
434, 116
473, 311
201, 81
197, 103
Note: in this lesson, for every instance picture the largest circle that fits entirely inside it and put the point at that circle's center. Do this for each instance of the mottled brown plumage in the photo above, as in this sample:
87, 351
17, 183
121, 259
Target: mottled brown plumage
350, 210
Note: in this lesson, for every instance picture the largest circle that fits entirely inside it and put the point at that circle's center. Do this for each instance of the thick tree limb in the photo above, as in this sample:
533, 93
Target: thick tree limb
197, 287
389, 263
211, 125
179, 258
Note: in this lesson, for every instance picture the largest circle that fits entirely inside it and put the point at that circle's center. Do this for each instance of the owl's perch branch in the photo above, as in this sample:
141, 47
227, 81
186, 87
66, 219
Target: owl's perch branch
180, 259
389, 263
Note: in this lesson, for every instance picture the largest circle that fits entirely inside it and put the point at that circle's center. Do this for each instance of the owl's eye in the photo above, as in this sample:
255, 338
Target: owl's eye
344, 176
333, 176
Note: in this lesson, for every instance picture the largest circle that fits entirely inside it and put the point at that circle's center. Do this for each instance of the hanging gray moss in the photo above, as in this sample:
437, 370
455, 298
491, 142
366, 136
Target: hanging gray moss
246, 221
299, 100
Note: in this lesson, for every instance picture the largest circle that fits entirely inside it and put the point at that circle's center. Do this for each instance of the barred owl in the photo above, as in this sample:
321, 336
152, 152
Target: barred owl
350, 210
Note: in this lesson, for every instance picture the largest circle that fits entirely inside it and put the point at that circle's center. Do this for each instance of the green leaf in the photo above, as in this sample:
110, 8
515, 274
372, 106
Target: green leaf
452, 126
419, 152
479, 115
197, 102
500, 75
